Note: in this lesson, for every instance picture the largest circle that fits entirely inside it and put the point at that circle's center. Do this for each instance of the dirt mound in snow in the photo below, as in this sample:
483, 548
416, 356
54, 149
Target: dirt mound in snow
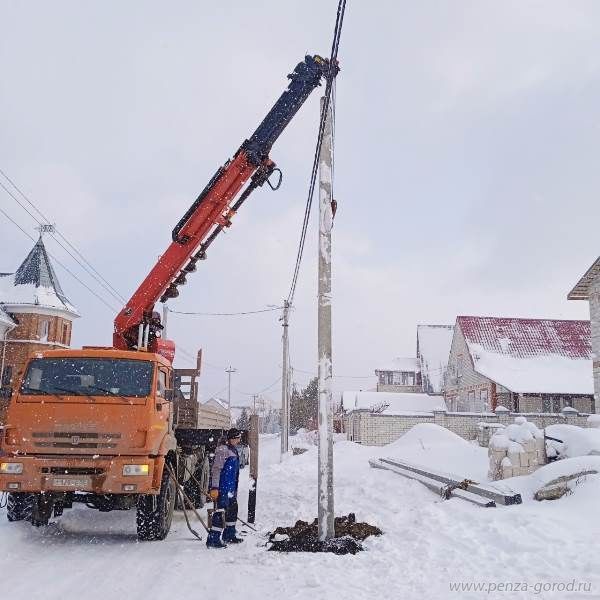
304, 537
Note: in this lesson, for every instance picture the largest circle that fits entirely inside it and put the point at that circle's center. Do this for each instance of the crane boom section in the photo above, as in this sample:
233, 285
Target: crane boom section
212, 211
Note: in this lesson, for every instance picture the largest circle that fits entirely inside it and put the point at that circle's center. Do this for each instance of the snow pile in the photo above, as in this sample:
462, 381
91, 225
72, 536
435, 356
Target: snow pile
576, 441
391, 403
516, 450
429, 445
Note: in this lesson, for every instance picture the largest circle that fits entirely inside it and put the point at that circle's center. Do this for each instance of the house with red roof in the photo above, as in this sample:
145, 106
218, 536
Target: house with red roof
525, 365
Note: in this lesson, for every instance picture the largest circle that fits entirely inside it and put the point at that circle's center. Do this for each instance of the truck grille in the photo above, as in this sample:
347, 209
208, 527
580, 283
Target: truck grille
72, 471
69, 439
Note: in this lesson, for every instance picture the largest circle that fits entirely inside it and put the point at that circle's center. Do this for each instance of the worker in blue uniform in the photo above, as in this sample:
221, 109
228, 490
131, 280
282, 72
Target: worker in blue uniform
224, 478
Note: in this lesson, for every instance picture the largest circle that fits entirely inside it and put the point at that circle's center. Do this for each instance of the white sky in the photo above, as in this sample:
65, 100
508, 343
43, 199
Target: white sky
467, 172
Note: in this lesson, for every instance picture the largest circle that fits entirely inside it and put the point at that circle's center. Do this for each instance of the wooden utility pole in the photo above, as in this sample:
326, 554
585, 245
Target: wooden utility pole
326, 508
285, 397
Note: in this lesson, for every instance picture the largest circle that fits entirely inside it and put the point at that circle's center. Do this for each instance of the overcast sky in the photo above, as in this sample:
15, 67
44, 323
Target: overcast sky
467, 179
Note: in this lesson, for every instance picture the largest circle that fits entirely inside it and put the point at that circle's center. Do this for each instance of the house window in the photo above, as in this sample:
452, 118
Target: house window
471, 400
397, 378
550, 404
65, 334
43, 330
483, 397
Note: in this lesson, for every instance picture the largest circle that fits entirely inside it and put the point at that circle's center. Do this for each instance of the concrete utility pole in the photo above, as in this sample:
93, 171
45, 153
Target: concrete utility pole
165, 317
229, 371
285, 396
326, 509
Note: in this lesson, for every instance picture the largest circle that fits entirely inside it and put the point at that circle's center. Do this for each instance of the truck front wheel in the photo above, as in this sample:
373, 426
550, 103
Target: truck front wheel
155, 513
19, 506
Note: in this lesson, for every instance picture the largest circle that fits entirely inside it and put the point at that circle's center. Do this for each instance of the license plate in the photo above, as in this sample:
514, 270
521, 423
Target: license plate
72, 482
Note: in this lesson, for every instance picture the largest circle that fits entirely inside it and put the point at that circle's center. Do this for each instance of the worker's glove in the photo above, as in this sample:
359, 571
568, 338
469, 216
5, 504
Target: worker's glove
214, 494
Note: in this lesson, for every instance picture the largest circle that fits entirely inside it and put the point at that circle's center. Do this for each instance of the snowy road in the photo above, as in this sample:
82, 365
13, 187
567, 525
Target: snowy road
428, 544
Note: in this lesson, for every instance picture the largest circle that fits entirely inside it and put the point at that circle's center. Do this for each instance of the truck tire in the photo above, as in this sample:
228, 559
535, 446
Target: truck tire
155, 513
197, 494
19, 506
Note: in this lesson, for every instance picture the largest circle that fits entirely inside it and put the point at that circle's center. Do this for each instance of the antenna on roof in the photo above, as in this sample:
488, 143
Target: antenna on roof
46, 228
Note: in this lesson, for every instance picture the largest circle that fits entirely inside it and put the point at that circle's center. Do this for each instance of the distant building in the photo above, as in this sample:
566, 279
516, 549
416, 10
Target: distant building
399, 375
433, 351
525, 365
379, 418
35, 314
588, 288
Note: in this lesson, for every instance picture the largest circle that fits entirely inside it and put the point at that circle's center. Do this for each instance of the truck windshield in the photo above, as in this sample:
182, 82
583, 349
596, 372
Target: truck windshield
88, 377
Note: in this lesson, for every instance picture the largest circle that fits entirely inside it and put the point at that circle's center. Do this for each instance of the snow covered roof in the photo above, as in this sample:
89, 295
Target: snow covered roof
542, 356
582, 287
218, 404
410, 365
5, 320
433, 351
34, 283
390, 403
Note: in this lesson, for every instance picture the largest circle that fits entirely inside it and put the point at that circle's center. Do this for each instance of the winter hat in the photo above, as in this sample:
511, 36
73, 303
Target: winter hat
233, 433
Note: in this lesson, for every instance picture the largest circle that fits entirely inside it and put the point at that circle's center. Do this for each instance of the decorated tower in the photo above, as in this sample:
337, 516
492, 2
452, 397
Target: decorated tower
35, 314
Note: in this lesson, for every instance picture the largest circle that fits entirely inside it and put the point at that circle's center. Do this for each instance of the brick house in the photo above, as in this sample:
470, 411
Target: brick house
525, 365
588, 288
36, 306
401, 375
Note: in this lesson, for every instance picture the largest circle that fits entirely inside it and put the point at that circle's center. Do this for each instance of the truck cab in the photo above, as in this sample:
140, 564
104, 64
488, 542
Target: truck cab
94, 426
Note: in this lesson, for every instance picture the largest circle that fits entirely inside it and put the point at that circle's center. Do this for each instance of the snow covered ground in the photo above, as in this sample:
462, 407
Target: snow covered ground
428, 544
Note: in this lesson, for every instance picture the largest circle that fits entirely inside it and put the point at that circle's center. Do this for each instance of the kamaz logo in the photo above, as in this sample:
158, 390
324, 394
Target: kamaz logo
75, 439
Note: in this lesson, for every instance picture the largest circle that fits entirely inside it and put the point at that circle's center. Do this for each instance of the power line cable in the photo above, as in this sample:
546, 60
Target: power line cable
261, 391
112, 308
225, 314
327, 95
98, 276
60, 244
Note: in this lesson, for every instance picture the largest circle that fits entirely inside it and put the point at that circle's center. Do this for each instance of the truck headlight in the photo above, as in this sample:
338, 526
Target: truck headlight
135, 469
11, 468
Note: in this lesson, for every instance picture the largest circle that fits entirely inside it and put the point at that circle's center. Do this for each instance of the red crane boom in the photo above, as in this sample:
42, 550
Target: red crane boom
137, 326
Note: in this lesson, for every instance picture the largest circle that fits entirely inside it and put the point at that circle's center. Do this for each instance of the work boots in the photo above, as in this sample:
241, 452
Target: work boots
214, 540
230, 535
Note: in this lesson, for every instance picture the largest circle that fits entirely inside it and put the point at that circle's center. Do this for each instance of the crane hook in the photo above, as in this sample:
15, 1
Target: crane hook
278, 184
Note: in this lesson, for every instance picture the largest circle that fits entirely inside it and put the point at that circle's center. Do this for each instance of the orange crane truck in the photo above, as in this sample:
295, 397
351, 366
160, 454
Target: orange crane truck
106, 426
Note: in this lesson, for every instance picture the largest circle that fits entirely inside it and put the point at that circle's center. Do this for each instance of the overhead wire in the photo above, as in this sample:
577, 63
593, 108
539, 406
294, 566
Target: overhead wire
97, 278
313, 177
261, 391
224, 314
82, 261
58, 262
